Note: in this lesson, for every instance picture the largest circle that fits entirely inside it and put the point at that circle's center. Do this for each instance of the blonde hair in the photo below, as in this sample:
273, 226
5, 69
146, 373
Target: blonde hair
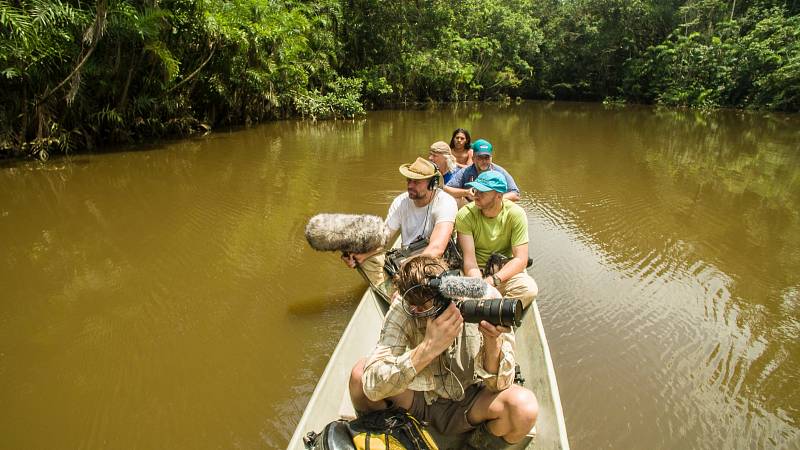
443, 149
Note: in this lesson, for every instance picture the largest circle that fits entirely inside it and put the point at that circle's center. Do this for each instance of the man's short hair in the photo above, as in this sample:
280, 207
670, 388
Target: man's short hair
412, 279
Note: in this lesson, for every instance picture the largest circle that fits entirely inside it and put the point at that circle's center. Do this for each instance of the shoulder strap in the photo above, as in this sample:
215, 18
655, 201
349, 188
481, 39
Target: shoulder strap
428, 212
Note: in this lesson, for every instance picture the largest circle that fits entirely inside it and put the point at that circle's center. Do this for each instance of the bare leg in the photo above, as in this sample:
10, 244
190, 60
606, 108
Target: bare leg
509, 414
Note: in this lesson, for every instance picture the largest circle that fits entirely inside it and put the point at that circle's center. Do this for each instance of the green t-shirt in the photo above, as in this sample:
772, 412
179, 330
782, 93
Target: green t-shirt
496, 234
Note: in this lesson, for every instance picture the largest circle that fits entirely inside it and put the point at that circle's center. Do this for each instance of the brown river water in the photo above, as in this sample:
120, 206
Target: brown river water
164, 296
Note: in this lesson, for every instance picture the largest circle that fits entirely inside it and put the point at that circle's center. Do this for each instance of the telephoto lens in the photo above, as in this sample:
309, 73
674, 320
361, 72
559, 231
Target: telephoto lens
497, 311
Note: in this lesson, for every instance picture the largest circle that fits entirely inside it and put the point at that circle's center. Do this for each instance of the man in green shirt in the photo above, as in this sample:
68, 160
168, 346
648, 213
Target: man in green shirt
492, 224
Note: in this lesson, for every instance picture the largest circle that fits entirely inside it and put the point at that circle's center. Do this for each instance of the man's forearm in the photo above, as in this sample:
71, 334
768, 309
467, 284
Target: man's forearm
491, 356
439, 239
497, 366
434, 250
470, 267
473, 272
513, 267
386, 375
422, 355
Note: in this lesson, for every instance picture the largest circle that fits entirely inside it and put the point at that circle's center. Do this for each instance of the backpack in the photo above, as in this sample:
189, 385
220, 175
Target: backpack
389, 429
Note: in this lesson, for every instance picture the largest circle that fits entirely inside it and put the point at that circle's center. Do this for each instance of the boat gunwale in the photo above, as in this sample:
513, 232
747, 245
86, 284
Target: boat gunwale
551, 379
299, 432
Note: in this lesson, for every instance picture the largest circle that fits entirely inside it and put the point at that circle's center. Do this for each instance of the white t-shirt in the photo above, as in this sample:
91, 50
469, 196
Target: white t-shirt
413, 221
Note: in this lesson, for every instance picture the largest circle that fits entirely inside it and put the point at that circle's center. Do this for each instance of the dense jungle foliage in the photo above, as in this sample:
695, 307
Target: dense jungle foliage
76, 74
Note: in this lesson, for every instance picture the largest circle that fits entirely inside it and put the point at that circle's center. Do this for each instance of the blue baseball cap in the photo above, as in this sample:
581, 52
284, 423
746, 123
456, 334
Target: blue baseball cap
481, 147
491, 180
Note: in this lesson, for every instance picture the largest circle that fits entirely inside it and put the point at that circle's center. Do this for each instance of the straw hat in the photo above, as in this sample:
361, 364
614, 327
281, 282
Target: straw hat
421, 169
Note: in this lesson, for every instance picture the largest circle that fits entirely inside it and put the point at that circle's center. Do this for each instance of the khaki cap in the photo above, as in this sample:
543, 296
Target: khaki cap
441, 147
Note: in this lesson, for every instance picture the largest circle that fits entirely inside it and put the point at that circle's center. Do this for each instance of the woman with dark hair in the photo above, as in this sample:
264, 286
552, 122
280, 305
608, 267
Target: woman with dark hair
460, 145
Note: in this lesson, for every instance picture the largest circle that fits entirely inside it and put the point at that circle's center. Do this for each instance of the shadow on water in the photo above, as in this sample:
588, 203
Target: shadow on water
322, 303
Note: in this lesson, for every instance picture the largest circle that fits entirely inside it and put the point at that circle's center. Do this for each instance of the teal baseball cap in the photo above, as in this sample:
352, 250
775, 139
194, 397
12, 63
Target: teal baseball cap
491, 180
481, 147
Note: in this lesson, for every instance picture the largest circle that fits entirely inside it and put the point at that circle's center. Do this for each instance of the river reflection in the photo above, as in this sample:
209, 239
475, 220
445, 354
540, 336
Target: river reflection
165, 297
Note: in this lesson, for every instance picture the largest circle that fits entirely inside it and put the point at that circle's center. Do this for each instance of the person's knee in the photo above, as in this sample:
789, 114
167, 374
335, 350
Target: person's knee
523, 407
356, 374
523, 287
527, 298
531, 288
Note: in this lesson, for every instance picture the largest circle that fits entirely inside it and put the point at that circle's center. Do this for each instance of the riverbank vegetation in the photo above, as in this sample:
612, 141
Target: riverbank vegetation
74, 75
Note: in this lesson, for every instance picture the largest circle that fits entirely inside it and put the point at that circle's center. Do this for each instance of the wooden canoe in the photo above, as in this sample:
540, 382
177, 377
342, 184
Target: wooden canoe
331, 399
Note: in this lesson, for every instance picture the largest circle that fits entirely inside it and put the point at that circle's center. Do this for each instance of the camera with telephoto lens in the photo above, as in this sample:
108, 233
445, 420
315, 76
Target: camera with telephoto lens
497, 311
505, 312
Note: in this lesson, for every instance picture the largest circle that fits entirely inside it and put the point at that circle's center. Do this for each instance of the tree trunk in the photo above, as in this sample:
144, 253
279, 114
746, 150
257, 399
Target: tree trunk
123, 99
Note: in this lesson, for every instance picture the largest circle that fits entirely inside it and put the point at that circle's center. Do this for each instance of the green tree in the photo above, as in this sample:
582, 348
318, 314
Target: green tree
74, 74
750, 61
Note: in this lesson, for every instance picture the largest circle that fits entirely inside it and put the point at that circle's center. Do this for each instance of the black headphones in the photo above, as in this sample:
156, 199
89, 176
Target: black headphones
434, 182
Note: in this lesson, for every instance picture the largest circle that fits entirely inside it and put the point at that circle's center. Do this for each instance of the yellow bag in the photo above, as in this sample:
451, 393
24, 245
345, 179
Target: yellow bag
393, 429
390, 429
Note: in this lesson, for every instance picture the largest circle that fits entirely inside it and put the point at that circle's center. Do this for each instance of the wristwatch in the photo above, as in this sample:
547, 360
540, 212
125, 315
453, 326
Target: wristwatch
496, 280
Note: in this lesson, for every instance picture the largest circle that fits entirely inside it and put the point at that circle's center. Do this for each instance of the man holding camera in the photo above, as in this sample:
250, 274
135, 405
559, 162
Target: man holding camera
423, 215
456, 376
494, 225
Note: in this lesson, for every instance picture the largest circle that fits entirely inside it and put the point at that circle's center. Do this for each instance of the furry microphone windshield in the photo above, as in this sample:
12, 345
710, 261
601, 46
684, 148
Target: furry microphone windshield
459, 287
348, 233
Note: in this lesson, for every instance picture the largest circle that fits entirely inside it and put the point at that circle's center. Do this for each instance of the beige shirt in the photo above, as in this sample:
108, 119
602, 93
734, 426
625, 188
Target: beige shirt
388, 370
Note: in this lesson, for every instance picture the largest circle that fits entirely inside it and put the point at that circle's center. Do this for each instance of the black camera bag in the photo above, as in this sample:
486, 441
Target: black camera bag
396, 257
335, 436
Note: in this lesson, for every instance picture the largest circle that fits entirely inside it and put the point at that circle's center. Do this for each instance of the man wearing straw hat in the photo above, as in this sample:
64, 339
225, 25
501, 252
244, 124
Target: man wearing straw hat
423, 212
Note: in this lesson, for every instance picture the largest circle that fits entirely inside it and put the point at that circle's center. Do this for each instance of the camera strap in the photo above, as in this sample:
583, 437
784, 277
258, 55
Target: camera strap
421, 233
496, 262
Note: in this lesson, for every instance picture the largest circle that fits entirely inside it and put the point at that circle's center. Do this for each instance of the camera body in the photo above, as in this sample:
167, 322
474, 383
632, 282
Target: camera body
396, 257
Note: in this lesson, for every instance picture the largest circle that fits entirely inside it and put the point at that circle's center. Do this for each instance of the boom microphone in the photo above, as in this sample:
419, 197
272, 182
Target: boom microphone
459, 287
348, 233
